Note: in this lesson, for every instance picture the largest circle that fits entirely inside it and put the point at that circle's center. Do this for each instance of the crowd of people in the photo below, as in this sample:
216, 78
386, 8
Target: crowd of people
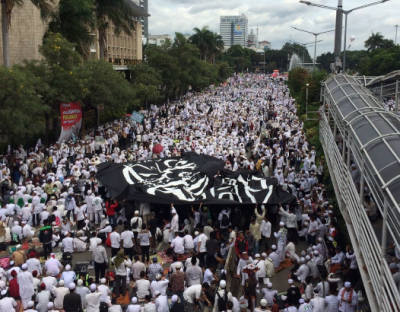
52, 201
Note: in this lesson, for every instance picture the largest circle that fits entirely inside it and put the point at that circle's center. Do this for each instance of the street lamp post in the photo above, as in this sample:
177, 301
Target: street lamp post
315, 41
395, 37
307, 100
345, 12
304, 47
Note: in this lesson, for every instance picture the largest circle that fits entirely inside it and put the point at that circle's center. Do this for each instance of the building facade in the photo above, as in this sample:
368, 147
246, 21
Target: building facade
144, 20
234, 30
26, 34
159, 40
253, 40
265, 45
27, 30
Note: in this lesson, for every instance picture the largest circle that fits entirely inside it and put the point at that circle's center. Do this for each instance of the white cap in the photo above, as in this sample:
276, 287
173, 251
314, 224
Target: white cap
30, 304
263, 254
89, 192
134, 300
269, 285
178, 265
316, 252
103, 280
347, 284
263, 302
308, 258
174, 298
24, 266
61, 283
4, 292
157, 293
301, 300
257, 256
281, 224
80, 282
290, 281
50, 305
67, 267
222, 283
302, 260
93, 287
107, 222
273, 247
71, 286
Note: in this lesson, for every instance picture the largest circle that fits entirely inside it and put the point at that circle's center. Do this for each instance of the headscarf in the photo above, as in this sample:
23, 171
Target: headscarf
119, 259
20, 202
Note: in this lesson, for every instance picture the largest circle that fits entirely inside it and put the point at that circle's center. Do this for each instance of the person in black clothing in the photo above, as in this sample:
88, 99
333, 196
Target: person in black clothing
46, 237
72, 301
211, 248
152, 225
293, 294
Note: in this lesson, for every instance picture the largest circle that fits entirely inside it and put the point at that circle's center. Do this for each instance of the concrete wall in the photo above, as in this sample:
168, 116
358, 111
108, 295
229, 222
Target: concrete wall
26, 34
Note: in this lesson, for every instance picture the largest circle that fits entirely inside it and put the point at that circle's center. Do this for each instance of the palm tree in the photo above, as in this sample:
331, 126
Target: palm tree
74, 20
203, 39
115, 12
45, 7
374, 42
217, 47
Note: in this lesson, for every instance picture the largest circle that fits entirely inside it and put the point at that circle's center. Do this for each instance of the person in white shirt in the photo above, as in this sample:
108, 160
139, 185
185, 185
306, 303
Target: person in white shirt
59, 294
201, 247
161, 302
80, 216
34, 265
159, 284
302, 272
115, 239
27, 231
53, 265
68, 276
136, 224
142, 286
188, 242
127, 239
97, 206
68, 243
92, 302
177, 244
121, 262
80, 242
89, 205
174, 224
105, 292
134, 307
265, 232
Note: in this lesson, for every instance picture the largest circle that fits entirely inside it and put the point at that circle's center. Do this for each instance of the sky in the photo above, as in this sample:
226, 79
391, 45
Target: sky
275, 18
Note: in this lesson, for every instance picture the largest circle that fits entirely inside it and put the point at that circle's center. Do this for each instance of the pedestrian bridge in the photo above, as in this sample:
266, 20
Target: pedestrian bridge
371, 139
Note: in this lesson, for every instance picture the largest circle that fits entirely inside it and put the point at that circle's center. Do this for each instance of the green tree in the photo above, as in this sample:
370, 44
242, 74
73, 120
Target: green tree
204, 39
18, 96
7, 6
299, 49
119, 14
145, 82
375, 41
381, 62
105, 87
297, 78
74, 20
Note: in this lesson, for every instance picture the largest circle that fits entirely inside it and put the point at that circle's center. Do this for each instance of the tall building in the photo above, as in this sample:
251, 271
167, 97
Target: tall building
144, 5
253, 40
234, 30
159, 40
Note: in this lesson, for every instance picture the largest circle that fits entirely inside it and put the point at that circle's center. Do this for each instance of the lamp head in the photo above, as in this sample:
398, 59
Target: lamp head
309, 3
307, 84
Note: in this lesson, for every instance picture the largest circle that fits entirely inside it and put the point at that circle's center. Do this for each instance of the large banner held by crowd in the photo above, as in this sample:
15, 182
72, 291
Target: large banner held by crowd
190, 178
71, 120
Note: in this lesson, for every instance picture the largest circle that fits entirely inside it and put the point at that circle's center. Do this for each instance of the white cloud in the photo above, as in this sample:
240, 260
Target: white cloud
275, 18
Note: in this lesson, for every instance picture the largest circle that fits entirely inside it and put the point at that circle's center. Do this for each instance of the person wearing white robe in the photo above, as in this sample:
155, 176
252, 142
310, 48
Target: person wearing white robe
25, 282
174, 224
348, 298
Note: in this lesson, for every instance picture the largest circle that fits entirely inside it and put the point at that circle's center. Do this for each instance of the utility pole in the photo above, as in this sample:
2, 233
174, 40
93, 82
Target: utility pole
338, 35
395, 38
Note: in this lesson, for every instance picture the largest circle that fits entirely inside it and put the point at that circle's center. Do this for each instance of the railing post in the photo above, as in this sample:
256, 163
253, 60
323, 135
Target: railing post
383, 249
362, 184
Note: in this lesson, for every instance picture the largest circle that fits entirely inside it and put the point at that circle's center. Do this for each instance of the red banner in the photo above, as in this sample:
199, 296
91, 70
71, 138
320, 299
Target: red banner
71, 114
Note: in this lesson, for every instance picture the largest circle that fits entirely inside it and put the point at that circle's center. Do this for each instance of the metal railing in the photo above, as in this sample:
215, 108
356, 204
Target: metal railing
378, 282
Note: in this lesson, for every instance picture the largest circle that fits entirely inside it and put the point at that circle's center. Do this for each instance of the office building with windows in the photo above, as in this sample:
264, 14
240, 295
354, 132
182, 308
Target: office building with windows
234, 30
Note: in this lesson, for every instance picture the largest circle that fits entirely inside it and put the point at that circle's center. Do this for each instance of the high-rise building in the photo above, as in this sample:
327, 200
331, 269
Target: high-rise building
234, 30
253, 40
144, 5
